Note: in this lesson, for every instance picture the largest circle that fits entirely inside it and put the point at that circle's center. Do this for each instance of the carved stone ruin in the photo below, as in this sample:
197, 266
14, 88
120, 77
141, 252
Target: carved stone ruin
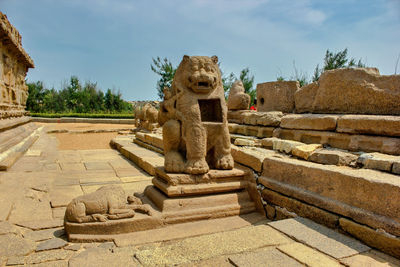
146, 117
14, 64
276, 96
352, 91
194, 118
238, 99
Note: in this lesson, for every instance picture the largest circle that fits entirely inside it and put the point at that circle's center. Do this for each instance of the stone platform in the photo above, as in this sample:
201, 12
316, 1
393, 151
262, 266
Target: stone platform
31, 223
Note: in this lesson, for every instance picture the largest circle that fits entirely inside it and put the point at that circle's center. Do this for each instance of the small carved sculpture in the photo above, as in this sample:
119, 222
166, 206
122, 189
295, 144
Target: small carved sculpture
150, 114
194, 118
238, 99
107, 203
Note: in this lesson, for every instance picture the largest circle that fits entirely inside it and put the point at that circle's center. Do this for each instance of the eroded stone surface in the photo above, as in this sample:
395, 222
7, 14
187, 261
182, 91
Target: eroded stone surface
48, 256
308, 256
379, 239
12, 245
265, 257
103, 257
276, 96
369, 124
304, 151
207, 246
371, 258
351, 90
53, 243
333, 157
309, 122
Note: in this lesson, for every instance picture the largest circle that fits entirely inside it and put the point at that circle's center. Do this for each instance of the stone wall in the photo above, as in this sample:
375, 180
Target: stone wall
14, 65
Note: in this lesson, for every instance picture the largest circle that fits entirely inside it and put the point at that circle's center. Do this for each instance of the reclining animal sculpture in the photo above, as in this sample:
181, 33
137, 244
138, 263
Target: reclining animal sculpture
107, 203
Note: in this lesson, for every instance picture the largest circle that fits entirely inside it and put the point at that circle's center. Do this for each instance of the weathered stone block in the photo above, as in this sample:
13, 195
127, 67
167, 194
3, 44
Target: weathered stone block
396, 168
369, 124
352, 90
378, 239
300, 208
378, 161
285, 145
317, 236
309, 122
276, 96
251, 157
243, 142
374, 201
304, 151
333, 157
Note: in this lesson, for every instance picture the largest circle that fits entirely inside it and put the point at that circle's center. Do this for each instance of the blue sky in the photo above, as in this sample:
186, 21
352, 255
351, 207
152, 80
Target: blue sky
112, 42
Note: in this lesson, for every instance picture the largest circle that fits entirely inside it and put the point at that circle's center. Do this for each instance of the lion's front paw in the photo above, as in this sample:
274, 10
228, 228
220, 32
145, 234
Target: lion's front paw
196, 166
99, 217
174, 162
225, 162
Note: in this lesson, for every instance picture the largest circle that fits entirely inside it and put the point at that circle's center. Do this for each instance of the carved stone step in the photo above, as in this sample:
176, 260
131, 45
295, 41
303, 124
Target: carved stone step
180, 209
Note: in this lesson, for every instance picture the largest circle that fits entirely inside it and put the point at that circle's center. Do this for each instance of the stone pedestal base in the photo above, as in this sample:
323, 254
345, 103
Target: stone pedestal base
175, 198
184, 197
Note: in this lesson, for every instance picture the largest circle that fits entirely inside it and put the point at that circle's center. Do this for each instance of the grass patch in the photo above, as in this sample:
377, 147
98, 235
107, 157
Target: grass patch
85, 115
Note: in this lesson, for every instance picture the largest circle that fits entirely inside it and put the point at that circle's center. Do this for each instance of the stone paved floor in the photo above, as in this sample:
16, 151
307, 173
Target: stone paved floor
35, 191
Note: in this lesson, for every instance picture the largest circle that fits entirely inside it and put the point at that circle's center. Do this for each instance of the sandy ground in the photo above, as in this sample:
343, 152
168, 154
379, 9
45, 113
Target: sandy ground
85, 126
75, 141
83, 141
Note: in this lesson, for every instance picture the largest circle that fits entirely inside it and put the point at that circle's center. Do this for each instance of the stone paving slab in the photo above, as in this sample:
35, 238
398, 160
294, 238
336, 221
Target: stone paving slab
100, 165
103, 257
101, 180
213, 245
308, 256
371, 258
132, 179
45, 234
265, 257
48, 256
12, 245
190, 229
320, 237
72, 166
62, 195
41, 224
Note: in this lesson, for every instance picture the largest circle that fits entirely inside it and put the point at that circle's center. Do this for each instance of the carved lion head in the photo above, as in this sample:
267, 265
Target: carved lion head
199, 73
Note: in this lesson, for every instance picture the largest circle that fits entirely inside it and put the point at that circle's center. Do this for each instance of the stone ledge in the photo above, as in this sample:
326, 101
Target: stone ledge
374, 201
369, 124
7, 124
372, 237
252, 117
318, 122
386, 145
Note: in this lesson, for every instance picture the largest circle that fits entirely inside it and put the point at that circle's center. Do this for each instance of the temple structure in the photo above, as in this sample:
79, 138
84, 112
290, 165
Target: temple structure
14, 65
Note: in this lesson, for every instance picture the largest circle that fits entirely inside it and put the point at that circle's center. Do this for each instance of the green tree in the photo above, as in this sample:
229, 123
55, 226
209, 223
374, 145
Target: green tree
36, 95
164, 68
227, 81
248, 81
336, 61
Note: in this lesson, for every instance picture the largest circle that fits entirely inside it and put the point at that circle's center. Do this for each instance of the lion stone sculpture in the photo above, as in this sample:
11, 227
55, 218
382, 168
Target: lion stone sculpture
194, 118
238, 99
107, 203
